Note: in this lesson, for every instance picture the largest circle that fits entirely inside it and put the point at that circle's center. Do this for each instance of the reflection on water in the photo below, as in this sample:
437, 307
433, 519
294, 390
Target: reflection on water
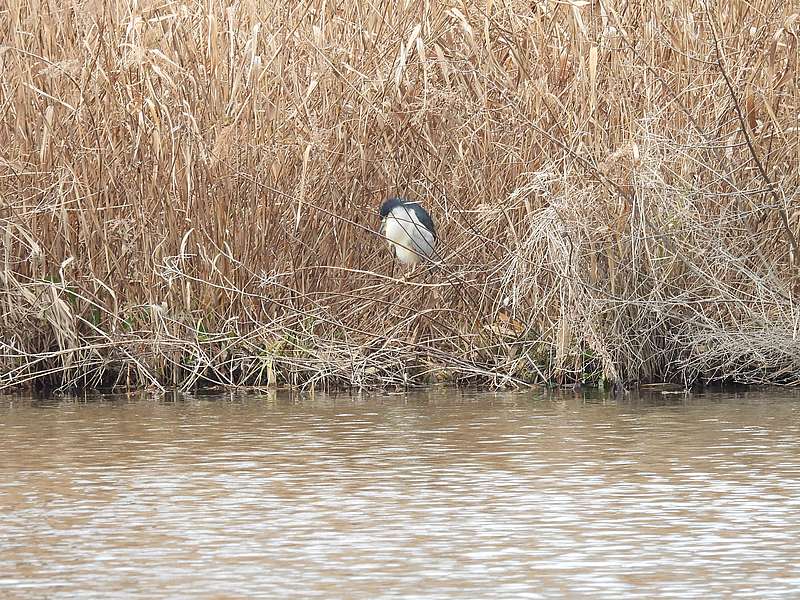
429, 495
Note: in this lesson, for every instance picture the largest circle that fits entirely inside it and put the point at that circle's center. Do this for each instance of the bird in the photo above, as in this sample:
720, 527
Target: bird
409, 230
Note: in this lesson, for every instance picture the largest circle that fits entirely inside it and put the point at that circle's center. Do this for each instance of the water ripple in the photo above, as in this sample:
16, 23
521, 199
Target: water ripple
422, 496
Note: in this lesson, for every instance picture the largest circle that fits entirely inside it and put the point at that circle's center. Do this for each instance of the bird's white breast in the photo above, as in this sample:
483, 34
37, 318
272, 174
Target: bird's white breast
411, 240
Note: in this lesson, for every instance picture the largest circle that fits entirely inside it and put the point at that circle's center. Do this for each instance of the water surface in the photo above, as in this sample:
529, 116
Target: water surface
432, 495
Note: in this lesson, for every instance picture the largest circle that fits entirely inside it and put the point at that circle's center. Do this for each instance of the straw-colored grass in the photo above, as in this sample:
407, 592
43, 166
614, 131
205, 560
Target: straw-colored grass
189, 191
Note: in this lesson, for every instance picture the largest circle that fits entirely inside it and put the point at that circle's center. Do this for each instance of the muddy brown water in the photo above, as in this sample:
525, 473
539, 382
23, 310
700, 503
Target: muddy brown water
431, 495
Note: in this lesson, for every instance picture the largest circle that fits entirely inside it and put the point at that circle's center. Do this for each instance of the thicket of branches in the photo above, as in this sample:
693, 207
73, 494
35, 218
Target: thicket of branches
189, 192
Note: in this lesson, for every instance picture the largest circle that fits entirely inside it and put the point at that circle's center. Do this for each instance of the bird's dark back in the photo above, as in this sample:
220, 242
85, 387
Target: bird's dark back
423, 216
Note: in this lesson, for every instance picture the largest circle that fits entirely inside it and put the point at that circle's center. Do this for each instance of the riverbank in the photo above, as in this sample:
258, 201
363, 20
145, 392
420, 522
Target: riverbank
189, 194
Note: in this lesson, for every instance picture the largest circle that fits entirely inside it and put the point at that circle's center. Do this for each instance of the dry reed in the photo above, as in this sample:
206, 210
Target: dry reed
188, 192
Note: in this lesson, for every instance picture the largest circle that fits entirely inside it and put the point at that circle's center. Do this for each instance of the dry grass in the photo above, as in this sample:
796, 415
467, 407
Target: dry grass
188, 191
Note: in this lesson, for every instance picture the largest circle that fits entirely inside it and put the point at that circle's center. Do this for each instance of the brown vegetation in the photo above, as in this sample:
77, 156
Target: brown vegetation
188, 191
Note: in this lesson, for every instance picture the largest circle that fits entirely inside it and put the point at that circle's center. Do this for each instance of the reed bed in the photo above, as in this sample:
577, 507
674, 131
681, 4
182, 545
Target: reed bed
189, 192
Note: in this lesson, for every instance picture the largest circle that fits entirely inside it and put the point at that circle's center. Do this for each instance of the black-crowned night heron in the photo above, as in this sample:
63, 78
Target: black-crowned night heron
409, 230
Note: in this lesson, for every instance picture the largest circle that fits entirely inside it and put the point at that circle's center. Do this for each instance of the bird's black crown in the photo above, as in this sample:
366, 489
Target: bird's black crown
422, 215
389, 205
